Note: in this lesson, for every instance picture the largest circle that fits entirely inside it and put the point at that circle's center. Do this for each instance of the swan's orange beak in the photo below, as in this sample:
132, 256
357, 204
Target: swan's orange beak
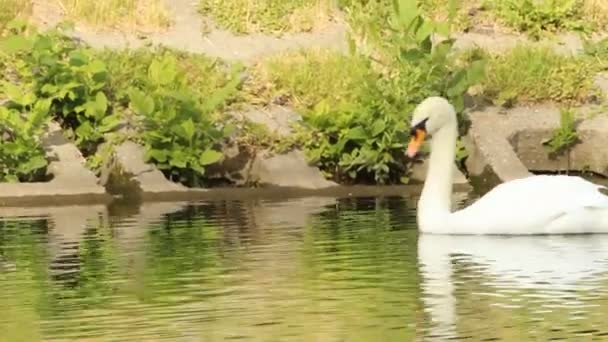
417, 139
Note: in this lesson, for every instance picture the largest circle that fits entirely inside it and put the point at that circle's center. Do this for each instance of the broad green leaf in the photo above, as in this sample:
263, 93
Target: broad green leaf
84, 132
357, 133
15, 44
49, 89
406, 10
11, 179
78, 58
210, 157
109, 123
43, 43
159, 156
140, 103
443, 29
163, 72
178, 158
424, 33
452, 11
101, 104
378, 127
38, 116
476, 72
35, 163
96, 67
458, 84
228, 130
188, 129
13, 92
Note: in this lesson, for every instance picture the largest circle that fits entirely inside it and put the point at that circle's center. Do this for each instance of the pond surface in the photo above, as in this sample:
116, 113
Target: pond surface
309, 269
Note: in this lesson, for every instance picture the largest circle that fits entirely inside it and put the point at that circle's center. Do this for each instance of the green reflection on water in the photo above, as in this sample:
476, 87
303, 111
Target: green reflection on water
336, 271
313, 269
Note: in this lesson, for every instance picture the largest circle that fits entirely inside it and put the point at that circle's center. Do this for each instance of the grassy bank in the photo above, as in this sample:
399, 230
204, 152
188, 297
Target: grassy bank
534, 18
537, 74
150, 96
355, 107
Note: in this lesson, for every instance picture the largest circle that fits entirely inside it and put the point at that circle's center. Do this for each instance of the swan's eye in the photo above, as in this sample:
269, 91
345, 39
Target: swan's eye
421, 126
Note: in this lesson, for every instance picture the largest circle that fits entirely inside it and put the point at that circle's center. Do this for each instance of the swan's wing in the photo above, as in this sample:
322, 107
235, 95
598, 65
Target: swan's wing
526, 204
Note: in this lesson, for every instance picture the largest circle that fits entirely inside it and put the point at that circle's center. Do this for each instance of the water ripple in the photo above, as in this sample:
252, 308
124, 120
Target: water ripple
315, 269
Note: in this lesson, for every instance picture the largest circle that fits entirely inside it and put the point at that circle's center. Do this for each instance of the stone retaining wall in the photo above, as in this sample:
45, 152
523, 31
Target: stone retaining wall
502, 146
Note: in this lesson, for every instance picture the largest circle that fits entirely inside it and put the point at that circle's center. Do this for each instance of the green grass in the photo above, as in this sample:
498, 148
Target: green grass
536, 18
127, 15
11, 9
268, 16
310, 76
355, 115
129, 67
540, 18
536, 74
350, 129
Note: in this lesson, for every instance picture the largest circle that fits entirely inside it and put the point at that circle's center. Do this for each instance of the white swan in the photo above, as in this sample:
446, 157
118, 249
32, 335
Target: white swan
540, 204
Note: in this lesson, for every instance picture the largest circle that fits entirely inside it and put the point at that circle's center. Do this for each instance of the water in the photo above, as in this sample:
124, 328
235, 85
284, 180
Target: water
313, 269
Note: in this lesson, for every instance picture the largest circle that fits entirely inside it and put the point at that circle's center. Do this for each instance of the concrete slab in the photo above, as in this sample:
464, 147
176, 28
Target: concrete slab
510, 143
129, 175
71, 182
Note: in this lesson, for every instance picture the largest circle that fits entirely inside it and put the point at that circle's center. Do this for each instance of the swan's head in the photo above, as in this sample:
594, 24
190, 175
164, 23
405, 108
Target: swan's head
430, 116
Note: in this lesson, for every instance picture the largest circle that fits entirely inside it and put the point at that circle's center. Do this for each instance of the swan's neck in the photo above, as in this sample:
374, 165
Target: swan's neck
435, 200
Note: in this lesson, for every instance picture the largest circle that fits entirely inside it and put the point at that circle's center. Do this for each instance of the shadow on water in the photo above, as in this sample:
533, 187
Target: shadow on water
266, 269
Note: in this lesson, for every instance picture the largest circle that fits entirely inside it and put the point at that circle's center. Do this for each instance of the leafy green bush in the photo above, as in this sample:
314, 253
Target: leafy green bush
56, 67
356, 112
22, 121
169, 99
180, 134
349, 130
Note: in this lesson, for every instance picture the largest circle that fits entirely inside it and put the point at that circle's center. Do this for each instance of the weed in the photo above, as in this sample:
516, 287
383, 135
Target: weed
565, 136
180, 135
268, 16
22, 122
344, 128
355, 114
597, 51
596, 11
536, 74
12, 9
538, 17
119, 14
468, 12
55, 67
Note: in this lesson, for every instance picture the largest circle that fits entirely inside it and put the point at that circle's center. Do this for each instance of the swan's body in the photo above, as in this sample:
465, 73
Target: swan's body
532, 205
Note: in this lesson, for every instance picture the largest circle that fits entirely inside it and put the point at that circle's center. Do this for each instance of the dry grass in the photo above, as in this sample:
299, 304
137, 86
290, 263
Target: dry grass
468, 12
597, 12
11, 9
124, 15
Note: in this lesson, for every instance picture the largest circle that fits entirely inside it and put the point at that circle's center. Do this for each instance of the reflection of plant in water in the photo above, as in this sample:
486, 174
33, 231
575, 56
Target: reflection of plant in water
22, 275
363, 265
90, 278
177, 248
